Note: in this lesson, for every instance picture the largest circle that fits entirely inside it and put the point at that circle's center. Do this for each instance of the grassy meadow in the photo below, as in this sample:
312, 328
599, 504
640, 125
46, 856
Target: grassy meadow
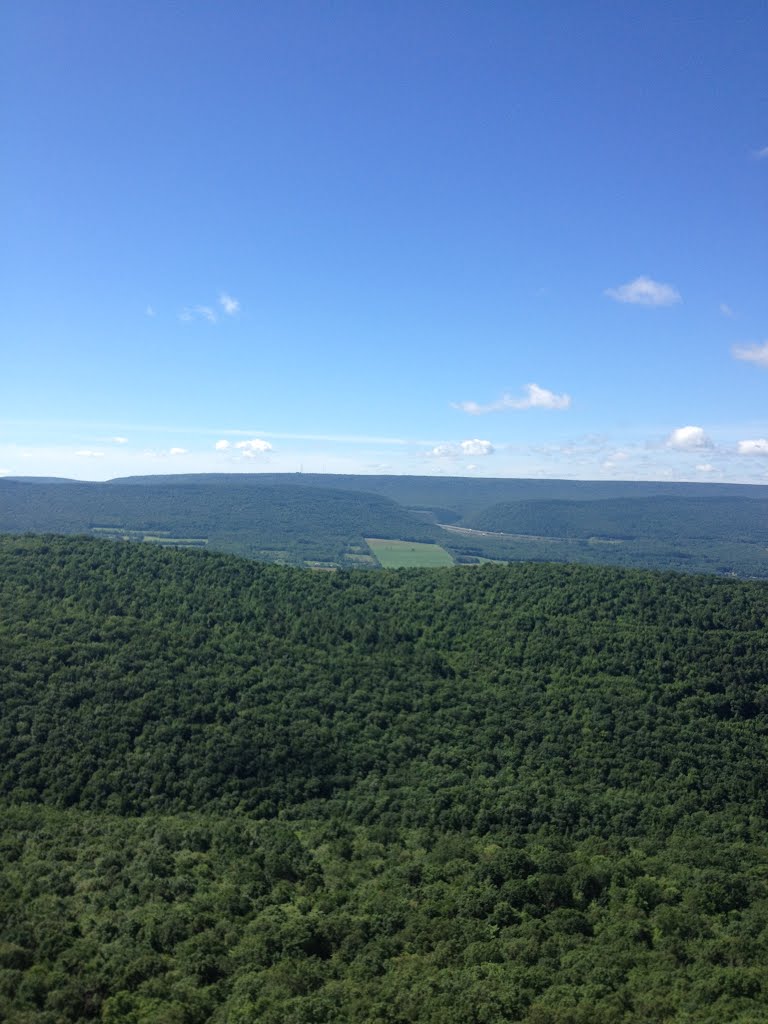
408, 554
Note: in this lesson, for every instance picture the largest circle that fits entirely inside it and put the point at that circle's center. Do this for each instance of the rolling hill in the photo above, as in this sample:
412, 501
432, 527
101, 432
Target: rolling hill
241, 792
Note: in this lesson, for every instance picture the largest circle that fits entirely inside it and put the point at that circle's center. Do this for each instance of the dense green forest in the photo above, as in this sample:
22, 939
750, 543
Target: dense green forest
666, 518
463, 496
272, 522
323, 520
239, 792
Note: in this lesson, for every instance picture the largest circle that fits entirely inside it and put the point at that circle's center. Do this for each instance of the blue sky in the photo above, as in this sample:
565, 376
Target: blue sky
497, 239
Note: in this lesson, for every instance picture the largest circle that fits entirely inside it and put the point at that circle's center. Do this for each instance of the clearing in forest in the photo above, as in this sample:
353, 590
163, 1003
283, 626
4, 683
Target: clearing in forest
408, 554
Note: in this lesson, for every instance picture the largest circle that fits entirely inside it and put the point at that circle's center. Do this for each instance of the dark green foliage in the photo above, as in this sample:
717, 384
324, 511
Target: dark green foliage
277, 522
724, 558
460, 495
714, 533
236, 792
322, 520
665, 518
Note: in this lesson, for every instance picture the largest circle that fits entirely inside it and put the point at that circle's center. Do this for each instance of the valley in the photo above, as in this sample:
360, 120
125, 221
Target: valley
324, 520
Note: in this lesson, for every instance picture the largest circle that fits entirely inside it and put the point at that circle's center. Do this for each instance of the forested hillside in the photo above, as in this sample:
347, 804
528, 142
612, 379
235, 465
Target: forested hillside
667, 518
273, 522
460, 495
717, 533
237, 792
323, 521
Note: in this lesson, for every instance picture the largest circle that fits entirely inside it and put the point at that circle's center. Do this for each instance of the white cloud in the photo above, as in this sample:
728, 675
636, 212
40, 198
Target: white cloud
706, 467
448, 450
726, 310
119, 440
222, 446
752, 353
250, 449
762, 154
444, 451
477, 447
179, 428
341, 438
88, 454
198, 313
178, 451
615, 459
689, 439
535, 398
758, 446
150, 311
643, 291
229, 304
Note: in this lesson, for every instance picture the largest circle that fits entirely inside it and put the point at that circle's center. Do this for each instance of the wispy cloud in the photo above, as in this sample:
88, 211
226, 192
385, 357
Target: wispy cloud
179, 451
726, 310
149, 311
229, 304
334, 438
586, 445
615, 459
644, 291
706, 467
535, 398
119, 440
752, 353
756, 446
222, 446
689, 439
198, 313
178, 429
761, 154
86, 453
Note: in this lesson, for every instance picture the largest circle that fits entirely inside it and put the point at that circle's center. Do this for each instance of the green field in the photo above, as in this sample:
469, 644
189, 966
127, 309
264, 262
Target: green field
408, 554
162, 538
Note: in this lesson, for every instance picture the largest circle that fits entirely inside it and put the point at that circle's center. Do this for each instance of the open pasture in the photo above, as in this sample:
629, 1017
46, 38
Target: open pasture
408, 554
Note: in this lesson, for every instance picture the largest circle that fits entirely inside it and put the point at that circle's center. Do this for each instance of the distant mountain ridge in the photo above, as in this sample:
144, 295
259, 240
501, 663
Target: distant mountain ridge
463, 494
41, 479
323, 520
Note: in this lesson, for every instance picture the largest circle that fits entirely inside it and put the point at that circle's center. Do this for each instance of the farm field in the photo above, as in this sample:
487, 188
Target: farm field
408, 554
160, 537
302, 520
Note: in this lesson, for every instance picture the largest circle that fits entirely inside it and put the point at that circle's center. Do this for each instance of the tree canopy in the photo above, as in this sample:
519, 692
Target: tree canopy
235, 792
